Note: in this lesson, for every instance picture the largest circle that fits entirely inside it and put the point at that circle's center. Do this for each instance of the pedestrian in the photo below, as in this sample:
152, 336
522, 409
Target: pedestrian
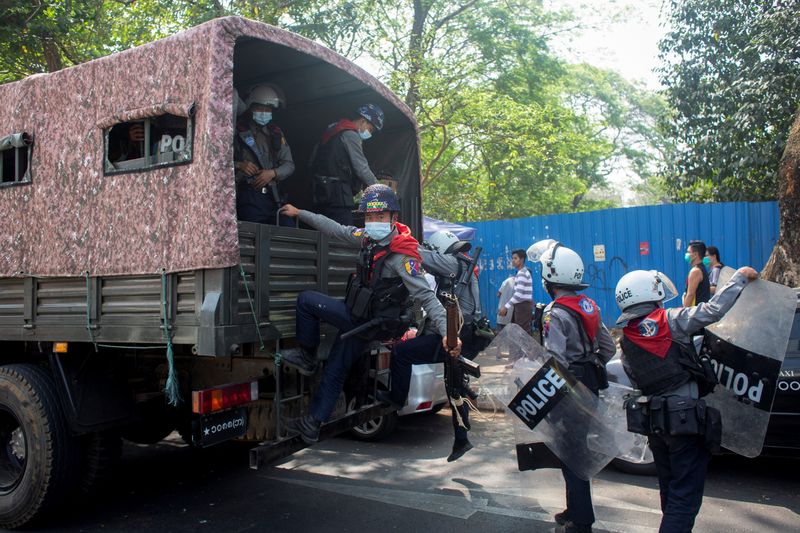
339, 165
446, 259
715, 267
261, 157
575, 336
389, 275
698, 289
521, 302
503, 296
660, 359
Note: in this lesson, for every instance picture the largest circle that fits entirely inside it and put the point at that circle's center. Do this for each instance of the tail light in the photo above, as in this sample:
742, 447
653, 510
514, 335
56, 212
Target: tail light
209, 401
384, 359
424, 405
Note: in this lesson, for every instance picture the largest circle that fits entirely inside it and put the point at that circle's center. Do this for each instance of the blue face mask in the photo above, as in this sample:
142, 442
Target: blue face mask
365, 134
688, 258
706, 261
377, 231
262, 118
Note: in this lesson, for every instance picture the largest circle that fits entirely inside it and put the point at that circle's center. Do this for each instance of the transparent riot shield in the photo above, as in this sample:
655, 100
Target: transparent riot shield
746, 349
725, 275
550, 406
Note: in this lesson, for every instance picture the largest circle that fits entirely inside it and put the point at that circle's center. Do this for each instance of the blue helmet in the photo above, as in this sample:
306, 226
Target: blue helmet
378, 198
373, 114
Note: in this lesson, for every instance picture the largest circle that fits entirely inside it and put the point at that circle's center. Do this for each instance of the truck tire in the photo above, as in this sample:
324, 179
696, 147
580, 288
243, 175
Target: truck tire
637, 469
38, 456
100, 455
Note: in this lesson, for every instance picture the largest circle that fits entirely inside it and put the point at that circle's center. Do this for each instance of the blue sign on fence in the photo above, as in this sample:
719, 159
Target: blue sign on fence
612, 242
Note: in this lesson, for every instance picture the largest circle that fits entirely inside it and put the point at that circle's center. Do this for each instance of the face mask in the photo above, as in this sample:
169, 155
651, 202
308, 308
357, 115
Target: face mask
262, 118
378, 231
706, 261
688, 258
364, 134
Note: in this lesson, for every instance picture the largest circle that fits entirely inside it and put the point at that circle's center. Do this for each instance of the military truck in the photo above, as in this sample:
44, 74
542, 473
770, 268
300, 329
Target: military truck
132, 301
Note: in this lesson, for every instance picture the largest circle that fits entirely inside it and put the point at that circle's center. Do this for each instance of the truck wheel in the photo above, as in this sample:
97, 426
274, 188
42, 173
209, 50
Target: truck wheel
100, 455
38, 453
637, 469
376, 429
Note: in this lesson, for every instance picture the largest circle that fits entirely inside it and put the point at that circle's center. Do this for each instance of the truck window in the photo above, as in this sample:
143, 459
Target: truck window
15, 150
152, 142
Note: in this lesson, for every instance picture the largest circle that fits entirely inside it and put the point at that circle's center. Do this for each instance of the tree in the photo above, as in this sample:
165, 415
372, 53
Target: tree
732, 72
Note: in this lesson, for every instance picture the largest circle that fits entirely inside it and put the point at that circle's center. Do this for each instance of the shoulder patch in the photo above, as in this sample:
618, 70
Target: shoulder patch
546, 324
412, 266
587, 306
358, 232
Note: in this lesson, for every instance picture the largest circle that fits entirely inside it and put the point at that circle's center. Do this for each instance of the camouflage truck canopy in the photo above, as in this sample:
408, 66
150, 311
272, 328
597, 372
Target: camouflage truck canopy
67, 210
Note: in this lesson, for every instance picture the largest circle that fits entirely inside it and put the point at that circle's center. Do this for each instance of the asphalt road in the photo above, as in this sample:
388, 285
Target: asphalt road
405, 484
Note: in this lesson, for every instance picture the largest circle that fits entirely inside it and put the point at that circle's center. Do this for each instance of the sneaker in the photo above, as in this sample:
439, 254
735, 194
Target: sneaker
385, 397
300, 359
307, 426
562, 517
572, 527
460, 447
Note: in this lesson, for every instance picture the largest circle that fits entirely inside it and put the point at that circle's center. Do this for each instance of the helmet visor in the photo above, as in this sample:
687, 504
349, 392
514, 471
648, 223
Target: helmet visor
666, 285
537, 249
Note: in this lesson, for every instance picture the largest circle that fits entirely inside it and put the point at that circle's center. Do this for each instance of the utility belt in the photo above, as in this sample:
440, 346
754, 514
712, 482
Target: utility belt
391, 318
674, 416
333, 191
590, 373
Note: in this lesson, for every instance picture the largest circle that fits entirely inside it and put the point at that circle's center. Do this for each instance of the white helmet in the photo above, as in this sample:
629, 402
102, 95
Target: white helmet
536, 249
640, 286
446, 242
266, 94
562, 266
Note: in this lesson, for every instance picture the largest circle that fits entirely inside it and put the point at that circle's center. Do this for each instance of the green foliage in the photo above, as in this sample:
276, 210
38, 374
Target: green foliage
733, 79
507, 129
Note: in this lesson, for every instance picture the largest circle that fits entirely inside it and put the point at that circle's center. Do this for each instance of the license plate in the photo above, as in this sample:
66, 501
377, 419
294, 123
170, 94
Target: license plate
219, 427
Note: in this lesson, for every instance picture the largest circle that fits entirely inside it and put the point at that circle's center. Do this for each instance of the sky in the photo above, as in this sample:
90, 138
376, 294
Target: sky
620, 35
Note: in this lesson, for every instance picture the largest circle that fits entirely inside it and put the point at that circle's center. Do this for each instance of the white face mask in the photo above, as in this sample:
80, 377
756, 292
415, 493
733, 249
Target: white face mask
365, 134
262, 118
377, 231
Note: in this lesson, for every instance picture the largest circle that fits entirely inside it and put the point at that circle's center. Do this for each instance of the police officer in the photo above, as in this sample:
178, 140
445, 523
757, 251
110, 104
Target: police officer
575, 335
446, 260
339, 166
656, 355
389, 272
262, 158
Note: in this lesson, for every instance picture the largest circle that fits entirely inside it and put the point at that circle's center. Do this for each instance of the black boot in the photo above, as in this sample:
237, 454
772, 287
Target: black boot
302, 359
460, 447
562, 517
307, 426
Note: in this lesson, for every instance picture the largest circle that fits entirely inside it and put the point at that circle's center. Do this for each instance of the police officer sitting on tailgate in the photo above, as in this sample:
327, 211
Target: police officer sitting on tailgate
446, 260
262, 158
658, 356
339, 166
389, 272
575, 335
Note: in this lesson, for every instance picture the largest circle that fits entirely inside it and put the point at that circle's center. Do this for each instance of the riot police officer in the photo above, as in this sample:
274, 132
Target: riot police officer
658, 356
575, 335
446, 260
339, 165
389, 274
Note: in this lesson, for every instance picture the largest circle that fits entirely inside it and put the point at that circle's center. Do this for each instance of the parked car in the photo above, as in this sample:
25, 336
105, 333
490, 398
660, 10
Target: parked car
783, 432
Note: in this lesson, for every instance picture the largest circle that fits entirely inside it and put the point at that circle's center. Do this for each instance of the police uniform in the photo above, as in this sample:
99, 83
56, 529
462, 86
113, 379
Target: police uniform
314, 306
265, 147
653, 340
575, 336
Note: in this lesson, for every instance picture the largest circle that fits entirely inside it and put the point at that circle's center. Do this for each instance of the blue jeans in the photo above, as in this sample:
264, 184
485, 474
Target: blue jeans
311, 308
681, 463
419, 350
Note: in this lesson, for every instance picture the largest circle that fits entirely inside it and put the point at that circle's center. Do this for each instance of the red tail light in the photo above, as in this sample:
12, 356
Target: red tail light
424, 405
384, 360
226, 397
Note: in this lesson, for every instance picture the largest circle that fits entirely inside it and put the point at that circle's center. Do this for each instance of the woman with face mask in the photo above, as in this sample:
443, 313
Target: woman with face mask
262, 158
339, 165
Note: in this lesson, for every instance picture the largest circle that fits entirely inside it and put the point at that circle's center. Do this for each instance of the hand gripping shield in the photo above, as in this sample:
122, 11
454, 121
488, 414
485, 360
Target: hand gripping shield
550, 406
746, 349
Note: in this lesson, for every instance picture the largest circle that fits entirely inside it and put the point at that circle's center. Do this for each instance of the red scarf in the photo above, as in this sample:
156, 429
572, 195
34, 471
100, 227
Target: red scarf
402, 243
650, 333
337, 128
586, 309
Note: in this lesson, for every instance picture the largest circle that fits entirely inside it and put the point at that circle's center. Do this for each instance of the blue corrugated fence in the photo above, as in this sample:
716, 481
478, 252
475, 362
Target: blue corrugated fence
614, 241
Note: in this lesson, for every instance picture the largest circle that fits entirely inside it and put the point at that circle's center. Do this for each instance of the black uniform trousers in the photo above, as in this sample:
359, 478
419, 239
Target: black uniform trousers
681, 463
579, 491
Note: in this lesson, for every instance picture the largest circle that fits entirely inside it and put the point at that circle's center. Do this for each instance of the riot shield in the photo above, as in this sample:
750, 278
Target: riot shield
550, 406
746, 349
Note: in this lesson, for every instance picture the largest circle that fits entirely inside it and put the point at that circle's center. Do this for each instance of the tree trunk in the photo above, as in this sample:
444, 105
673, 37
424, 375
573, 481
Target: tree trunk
784, 263
415, 53
52, 56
